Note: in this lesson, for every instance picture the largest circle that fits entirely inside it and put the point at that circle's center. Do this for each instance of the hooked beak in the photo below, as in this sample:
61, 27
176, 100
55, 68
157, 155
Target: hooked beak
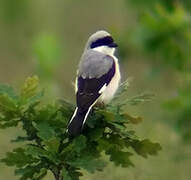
114, 45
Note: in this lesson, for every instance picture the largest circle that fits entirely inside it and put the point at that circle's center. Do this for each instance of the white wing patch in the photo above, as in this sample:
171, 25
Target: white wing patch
88, 112
102, 89
74, 115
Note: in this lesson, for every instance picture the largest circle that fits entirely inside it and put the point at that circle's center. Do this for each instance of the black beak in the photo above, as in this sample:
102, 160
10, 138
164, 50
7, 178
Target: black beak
114, 45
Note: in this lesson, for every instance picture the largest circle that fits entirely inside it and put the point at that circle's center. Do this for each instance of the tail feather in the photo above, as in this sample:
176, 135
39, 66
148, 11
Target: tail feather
78, 119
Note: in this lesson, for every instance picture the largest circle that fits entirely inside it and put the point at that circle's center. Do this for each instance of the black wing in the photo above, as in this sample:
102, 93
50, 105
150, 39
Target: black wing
88, 89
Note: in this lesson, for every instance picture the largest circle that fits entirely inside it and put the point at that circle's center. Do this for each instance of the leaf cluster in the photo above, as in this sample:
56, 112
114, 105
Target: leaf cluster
162, 32
141, 4
48, 147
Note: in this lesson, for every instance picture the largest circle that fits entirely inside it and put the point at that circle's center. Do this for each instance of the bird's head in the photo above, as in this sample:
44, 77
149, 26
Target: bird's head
101, 41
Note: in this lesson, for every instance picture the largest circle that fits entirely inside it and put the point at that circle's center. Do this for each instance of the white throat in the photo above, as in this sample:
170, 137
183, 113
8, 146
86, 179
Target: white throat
105, 49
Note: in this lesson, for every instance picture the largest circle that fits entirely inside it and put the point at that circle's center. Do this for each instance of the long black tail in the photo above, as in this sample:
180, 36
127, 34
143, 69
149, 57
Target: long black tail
75, 125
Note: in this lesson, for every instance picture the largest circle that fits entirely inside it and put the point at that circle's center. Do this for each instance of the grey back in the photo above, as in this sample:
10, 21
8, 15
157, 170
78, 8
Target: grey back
94, 64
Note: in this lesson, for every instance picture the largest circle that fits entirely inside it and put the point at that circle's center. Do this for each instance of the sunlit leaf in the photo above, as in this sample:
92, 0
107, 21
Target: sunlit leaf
133, 120
30, 87
146, 147
6, 103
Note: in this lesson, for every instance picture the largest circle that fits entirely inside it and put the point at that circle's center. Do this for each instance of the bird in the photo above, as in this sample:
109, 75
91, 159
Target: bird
98, 78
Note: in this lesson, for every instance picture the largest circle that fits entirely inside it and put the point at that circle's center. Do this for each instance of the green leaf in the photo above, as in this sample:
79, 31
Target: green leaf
34, 172
9, 123
18, 158
30, 87
36, 97
108, 115
26, 172
47, 114
65, 174
38, 152
96, 134
52, 144
89, 163
41, 174
45, 131
104, 144
146, 147
119, 157
128, 134
8, 111
133, 120
79, 143
6, 89
6, 103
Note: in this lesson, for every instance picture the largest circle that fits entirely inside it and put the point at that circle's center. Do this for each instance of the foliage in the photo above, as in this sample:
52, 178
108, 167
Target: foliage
163, 35
150, 3
47, 144
180, 105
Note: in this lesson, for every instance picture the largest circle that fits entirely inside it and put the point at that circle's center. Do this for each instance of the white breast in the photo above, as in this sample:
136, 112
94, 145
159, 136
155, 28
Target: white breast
112, 87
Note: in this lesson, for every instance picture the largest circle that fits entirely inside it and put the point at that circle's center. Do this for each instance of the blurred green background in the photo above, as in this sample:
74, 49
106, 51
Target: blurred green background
47, 38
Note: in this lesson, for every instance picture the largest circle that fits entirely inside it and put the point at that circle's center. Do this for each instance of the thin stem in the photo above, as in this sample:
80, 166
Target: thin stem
57, 174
